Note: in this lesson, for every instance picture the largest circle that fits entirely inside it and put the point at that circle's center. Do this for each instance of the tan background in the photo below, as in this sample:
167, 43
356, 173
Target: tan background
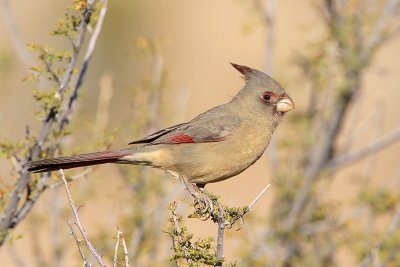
202, 37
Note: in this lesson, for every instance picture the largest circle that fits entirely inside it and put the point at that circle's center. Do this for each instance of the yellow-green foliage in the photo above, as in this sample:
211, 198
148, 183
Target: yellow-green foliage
198, 252
379, 200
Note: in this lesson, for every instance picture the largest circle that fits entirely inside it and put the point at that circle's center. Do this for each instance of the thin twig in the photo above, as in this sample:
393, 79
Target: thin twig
86, 60
78, 242
370, 149
260, 195
78, 222
121, 239
77, 176
116, 248
126, 255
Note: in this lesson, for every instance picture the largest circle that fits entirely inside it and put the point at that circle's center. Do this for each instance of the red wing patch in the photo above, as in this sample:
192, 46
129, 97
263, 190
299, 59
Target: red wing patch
179, 138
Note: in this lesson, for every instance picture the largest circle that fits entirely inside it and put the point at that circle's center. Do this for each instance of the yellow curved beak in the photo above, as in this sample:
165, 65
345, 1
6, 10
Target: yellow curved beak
284, 104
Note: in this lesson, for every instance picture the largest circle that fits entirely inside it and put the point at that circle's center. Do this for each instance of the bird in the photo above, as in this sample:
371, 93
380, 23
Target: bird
214, 146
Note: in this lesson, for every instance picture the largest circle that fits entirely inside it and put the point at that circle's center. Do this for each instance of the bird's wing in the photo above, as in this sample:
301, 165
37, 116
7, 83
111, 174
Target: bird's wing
150, 138
199, 130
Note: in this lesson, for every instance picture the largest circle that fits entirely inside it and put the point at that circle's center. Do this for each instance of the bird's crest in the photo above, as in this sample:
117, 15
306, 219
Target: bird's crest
255, 77
246, 71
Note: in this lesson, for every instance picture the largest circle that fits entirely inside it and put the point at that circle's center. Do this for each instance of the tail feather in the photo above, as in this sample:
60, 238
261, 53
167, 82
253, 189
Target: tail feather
68, 162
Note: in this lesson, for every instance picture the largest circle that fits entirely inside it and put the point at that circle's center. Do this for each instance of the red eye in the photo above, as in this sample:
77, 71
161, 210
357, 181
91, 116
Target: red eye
266, 96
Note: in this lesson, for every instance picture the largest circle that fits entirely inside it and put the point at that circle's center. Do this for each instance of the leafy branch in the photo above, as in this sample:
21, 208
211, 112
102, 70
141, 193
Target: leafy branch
57, 105
206, 206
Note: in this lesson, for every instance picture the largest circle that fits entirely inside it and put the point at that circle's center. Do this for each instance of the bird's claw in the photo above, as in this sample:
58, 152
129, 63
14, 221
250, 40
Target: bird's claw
205, 204
202, 201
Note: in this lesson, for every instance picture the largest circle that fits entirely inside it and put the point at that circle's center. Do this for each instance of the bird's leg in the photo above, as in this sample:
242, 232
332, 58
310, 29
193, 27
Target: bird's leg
197, 192
209, 203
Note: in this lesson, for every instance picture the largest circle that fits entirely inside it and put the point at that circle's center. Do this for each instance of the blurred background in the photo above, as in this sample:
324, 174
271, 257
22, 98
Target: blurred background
334, 159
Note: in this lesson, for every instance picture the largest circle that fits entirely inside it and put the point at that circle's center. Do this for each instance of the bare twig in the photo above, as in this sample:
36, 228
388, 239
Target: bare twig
379, 32
370, 149
126, 255
260, 195
78, 222
78, 243
77, 176
116, 248
121, 239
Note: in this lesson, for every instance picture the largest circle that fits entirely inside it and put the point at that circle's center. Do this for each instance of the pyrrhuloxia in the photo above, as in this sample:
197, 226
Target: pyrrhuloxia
216, 145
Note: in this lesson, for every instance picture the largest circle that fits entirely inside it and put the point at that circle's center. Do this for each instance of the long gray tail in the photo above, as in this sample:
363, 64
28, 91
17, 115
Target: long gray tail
68, 162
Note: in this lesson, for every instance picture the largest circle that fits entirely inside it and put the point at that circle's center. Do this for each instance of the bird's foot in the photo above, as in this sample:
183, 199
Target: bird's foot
204, 202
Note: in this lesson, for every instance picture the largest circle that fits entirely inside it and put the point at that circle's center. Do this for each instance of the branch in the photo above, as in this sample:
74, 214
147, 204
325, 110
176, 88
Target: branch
319, 157
77, 176
81, 76
379, 32
220, 237
251, 205
78, 243
324, 150
9, 219
224, 217
116, 249
177, 238
126, 256
120, 236
351, 157
78, 222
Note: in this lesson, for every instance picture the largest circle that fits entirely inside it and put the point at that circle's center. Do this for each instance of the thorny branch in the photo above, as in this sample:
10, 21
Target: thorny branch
207, 206
78, 222
78, 243
12, 214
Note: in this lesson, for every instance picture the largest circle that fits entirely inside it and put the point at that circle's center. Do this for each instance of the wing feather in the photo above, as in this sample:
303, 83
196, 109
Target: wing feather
207, 127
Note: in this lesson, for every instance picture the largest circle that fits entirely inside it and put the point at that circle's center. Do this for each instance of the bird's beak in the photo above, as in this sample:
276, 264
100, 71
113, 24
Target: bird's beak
284, 104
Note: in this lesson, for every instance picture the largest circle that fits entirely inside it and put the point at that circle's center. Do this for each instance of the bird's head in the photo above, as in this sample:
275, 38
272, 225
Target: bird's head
262, 95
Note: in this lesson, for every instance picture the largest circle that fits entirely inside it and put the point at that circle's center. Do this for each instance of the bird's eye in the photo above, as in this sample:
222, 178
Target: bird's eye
266, 97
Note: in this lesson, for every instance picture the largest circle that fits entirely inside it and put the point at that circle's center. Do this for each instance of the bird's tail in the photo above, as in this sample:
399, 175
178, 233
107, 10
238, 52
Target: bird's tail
68, 162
